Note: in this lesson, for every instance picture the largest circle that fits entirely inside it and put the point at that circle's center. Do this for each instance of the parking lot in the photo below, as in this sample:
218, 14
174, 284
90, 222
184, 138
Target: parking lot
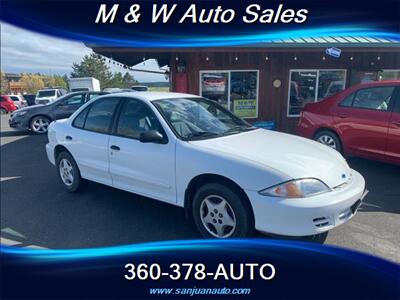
36, 210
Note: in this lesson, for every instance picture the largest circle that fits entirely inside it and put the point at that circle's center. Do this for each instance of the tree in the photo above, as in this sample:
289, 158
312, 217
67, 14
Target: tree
128, 80
116, 80
59, 81
48, 81
93, 66
32, 83
4, 84
65, 77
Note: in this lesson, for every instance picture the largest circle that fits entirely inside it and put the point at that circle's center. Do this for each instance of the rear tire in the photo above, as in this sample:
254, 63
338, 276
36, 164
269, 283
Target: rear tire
219, 212
329, 139
68, 172
3, 111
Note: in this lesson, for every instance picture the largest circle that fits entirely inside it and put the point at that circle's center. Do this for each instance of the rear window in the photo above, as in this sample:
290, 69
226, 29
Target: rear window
50, 93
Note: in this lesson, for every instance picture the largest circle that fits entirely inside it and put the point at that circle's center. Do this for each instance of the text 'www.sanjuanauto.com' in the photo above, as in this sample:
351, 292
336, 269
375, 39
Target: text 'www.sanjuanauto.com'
199, 291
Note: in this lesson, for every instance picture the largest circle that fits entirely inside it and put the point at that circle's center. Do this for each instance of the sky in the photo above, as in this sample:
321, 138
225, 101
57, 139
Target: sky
25, 51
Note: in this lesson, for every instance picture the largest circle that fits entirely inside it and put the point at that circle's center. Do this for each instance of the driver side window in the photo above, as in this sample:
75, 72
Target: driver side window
136, 118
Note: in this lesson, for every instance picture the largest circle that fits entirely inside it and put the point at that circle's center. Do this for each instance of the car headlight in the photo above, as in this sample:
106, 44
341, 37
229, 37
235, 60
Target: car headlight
298, 188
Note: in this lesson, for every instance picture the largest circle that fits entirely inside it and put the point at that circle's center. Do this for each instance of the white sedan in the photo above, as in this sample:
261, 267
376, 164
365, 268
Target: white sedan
188, 151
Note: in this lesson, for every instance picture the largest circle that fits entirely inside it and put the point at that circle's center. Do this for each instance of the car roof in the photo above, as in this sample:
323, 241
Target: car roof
151, 96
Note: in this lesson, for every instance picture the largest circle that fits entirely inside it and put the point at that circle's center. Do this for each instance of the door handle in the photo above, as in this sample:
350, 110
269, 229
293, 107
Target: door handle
116, 148
342, 115
68, 138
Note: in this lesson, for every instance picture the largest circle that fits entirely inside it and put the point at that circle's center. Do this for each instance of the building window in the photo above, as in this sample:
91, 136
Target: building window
235, 90
308, 86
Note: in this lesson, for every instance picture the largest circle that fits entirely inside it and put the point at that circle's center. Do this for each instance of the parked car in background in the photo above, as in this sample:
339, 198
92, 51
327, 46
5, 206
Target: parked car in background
38, 117
18, 100
49, 95
363, 120
7, 105
191, 152
30, 98
84, 84
140, 88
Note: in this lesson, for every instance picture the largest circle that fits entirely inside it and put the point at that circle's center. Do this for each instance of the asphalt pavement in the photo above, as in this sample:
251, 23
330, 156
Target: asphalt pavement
36, 210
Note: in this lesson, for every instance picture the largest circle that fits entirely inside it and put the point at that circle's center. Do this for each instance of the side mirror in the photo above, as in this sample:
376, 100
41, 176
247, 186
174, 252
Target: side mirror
151, 136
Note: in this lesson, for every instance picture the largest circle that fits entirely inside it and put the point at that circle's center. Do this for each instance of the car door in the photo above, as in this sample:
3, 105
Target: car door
362, 120
89, 137
66, 107
393, 138
144, 168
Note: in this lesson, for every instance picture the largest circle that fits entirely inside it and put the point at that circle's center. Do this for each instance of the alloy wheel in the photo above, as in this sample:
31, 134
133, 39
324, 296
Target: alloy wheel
327, 140
217, 216
66, 172
40, 125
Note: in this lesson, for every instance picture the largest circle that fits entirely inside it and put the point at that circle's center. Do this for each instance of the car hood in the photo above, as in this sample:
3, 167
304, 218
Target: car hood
31, 108
292, 155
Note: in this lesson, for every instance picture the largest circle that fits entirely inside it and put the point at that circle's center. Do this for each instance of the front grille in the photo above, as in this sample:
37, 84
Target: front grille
321, 222
43, 101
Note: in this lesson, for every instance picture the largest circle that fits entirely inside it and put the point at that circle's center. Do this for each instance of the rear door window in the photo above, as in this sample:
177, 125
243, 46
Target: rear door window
375, 98
100, 115
79, 121
348, 101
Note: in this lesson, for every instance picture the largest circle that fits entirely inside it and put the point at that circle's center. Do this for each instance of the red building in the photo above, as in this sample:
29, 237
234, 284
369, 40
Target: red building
272, 80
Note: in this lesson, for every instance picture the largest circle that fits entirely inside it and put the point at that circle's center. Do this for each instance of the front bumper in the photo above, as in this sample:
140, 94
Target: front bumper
18, 123
308, 216
50, 153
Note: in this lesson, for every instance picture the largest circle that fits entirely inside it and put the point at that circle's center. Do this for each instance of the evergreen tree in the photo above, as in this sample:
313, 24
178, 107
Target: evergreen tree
93, 66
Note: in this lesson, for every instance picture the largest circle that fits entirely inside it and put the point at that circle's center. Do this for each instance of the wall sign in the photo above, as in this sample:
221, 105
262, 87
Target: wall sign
334, 52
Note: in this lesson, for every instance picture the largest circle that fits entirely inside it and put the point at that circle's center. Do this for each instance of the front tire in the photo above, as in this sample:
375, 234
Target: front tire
40, 124
68, 172
219, 212
329, 139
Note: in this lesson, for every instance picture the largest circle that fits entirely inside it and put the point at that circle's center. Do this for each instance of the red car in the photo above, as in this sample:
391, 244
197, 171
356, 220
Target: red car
7, 105
363, 120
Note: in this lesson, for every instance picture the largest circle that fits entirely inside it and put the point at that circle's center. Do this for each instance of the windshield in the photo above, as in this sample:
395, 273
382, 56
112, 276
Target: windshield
198, 118
49, 93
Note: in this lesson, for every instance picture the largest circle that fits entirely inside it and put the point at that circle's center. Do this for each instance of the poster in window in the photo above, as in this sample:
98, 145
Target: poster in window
243, 88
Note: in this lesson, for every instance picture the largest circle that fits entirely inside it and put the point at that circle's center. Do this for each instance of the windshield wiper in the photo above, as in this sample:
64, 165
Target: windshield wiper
201, 134
240, 128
